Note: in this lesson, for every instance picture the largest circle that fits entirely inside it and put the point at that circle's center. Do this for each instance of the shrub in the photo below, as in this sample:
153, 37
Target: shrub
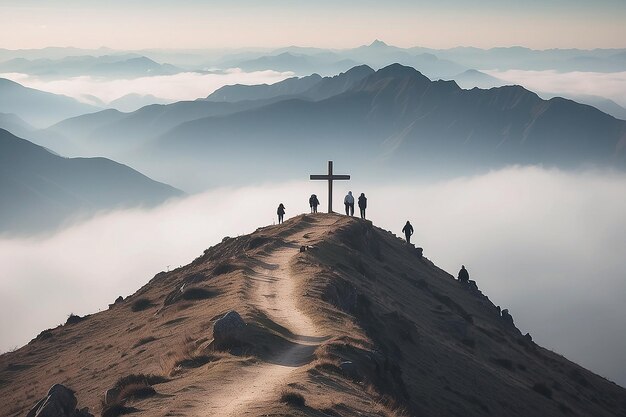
197, 293
146, 379
292, 398
505, 363
115, 410
542, 389
141, 304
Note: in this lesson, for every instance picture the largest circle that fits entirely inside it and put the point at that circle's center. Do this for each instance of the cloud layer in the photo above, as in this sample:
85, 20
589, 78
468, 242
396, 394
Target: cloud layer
183, 86
546, 244
608, 85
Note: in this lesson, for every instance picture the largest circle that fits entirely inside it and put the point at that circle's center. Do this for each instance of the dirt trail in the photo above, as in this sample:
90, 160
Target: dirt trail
274, 294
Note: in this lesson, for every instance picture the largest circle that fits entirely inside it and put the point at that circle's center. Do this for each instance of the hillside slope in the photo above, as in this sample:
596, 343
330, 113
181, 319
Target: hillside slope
40, 189
39, 108
357, 324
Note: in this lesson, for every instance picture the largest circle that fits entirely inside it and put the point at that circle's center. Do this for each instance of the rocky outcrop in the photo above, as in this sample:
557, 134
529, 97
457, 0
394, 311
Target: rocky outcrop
59, 402
228, 328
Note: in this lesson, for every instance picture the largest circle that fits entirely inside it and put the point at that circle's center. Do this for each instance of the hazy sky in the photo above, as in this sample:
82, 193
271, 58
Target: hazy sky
132, 24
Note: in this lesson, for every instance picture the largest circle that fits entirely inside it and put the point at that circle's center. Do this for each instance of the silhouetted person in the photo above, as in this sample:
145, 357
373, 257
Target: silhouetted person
280, 212
313, 202
463, 275
348, 201
408, 231
362, 204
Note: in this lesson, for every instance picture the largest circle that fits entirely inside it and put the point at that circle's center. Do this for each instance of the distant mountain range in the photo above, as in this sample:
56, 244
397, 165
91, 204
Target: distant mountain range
41, 190
38, 108
395, 117
113, 66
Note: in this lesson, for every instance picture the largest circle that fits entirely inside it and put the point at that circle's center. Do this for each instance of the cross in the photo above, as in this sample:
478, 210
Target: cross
330, 178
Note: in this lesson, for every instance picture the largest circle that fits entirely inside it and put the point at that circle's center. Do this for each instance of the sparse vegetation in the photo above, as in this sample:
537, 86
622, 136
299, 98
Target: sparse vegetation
131, 387
505, 363
141, 304
542, 389
292, 398
144, 340
197, 293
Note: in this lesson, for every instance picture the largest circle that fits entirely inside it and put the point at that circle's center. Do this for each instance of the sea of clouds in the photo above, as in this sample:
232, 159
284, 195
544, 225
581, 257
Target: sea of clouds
177, 87
547, 244
608, 85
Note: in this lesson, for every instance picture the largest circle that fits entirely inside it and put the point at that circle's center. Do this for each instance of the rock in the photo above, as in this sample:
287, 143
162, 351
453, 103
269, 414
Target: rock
349, 369
419, 252
111, 395
508, 319
229, 327
528, 337
302, 249
59, 402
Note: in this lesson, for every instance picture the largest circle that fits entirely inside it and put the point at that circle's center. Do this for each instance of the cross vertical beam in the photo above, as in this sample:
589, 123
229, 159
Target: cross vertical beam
330, 177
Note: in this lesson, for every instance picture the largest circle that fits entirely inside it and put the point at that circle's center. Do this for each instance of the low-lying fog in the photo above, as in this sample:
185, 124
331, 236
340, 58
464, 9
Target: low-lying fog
611, 85
177, 87
546, 244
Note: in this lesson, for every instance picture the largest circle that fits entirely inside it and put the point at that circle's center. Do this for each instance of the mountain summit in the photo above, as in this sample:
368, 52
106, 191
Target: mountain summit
324, 315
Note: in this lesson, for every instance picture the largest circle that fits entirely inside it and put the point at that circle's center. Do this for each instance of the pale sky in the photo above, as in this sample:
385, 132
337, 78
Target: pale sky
136, 24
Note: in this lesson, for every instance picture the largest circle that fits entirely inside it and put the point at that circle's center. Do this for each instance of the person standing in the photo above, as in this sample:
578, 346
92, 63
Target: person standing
280, 212
463, 275
348, 201
362, 204
408, 231
313, 203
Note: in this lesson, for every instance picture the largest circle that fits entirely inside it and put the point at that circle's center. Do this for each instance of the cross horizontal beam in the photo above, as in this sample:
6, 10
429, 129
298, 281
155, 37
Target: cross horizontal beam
330, 177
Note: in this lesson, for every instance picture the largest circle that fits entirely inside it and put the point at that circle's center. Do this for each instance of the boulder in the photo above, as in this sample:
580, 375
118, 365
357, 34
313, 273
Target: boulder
110, 396
229, 327
419, 252
508, 319
59, 402
302, 249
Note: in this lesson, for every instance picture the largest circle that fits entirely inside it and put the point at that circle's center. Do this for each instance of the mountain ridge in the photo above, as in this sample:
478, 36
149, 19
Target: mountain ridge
338, 311
43, 190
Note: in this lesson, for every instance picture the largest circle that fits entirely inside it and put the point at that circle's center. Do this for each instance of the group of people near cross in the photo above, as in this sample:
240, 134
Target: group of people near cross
348, 202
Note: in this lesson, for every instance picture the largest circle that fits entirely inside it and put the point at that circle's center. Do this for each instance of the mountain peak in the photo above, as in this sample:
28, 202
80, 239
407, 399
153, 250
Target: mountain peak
315, 303
378, 44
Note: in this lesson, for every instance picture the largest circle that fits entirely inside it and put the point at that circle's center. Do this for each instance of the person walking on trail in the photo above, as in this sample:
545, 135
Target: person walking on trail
313, 203
348, 201
408, 231
280, 212
463, 275
362, 204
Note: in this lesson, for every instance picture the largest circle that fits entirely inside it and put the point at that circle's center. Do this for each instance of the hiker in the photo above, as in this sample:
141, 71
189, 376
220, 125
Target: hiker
362, 204
348, 201
463, 275
408, 231
313, 202
280, 212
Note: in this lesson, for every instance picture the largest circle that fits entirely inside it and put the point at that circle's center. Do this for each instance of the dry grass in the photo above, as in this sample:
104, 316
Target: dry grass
292, 398
188, 355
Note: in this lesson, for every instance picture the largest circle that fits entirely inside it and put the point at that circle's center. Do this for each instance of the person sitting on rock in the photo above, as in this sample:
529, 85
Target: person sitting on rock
313, 203
280, 212
362, 204
463, 275
348, 201
408, 231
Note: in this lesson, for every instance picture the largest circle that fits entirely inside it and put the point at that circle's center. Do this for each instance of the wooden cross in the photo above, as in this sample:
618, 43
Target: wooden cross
330, 178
